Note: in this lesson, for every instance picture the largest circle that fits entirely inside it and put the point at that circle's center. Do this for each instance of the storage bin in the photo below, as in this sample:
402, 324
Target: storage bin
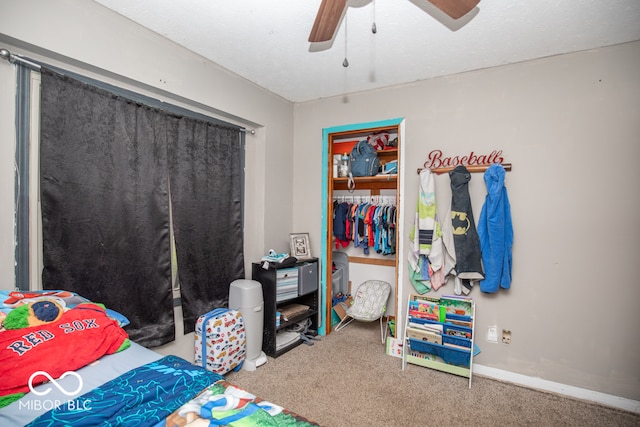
336, 282
287, 274
307, 278
340, 282
286, 283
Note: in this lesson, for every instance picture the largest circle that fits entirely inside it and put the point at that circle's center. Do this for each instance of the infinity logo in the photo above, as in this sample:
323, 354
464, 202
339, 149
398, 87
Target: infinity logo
55, 383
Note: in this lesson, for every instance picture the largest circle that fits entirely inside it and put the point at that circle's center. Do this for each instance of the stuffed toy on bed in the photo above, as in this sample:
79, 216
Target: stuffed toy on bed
63, 301
33, 314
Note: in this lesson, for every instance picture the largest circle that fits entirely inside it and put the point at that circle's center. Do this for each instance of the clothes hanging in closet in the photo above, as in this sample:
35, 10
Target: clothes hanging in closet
365, 225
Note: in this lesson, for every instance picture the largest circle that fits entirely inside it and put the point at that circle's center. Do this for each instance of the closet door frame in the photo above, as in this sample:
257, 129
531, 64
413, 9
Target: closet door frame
327, 216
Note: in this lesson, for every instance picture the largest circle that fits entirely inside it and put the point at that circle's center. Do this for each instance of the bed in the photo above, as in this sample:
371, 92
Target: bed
50, 383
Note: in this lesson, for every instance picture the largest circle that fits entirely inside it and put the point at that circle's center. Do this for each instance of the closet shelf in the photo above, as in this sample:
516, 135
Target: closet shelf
381, 182
472, 169
389, 262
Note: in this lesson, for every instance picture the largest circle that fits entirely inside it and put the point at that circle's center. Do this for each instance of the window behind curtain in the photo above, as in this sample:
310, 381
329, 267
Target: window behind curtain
27, 267
105, 207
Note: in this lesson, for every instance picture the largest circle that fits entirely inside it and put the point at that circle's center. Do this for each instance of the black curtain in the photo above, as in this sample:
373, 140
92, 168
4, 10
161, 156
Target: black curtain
106, 165
205, 167
105, 207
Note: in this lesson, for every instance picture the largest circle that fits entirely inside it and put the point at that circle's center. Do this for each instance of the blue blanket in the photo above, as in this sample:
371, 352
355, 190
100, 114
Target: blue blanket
144, 396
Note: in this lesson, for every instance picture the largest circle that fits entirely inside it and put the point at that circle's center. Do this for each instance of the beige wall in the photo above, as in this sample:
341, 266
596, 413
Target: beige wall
570, 125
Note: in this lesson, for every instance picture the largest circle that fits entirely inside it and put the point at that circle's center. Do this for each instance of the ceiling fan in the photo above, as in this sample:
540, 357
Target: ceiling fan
331, 11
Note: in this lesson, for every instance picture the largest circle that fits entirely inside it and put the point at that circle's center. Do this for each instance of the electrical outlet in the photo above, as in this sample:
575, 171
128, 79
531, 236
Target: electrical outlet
506, 336
492, 334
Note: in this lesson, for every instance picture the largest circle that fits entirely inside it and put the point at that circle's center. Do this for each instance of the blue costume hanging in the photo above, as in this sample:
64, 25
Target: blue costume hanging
496, 232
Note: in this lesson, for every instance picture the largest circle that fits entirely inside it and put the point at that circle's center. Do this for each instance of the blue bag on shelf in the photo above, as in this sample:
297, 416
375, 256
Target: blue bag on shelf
364, 160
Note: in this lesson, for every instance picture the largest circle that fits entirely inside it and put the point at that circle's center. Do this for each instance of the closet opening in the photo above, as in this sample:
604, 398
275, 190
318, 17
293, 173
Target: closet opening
360, 215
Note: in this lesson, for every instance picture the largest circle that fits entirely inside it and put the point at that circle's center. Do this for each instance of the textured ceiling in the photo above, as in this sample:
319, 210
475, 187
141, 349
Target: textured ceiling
266, 41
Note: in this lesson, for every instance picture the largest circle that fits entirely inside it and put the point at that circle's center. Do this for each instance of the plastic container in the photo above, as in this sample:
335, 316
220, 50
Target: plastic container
344, 167
246, 297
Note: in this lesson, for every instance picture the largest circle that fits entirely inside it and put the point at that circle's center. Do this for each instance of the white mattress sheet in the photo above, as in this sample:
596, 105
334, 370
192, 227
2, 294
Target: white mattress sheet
104, 369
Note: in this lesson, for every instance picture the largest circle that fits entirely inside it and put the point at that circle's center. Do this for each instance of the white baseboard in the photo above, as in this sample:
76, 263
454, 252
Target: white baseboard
558, 388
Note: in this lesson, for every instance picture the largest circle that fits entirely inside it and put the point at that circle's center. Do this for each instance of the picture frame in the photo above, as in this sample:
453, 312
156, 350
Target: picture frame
299, 246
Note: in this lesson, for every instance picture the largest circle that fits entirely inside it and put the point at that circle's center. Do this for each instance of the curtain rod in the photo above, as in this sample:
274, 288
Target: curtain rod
10, 57
6, 54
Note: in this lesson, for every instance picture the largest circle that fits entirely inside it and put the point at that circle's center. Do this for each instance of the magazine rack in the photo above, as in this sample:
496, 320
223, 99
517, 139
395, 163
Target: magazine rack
439, 334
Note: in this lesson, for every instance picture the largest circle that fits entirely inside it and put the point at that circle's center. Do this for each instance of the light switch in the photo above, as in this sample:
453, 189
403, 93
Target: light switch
492, 334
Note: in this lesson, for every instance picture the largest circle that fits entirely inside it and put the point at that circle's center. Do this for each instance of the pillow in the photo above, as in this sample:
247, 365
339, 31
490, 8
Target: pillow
118, 317
65, 299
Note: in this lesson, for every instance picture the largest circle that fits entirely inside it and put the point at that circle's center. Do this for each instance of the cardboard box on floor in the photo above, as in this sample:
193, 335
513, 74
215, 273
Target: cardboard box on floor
341, 308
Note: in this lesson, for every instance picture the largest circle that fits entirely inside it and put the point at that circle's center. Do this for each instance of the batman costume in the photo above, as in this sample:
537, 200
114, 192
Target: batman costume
465, 236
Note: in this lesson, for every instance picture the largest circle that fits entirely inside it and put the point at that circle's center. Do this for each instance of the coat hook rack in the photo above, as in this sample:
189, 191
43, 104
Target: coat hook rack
472, 169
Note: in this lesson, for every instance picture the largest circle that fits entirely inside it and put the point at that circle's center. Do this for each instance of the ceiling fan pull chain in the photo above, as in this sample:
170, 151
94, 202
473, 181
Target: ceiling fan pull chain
345, 63
374, 29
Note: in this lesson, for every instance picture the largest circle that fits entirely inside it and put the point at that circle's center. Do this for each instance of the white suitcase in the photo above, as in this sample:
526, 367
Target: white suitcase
220, 341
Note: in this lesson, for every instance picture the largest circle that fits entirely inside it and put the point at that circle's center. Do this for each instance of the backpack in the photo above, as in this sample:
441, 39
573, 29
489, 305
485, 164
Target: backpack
364, 160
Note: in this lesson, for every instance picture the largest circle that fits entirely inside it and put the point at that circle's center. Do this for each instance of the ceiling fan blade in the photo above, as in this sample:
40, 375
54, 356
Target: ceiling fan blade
327, 20
455, 8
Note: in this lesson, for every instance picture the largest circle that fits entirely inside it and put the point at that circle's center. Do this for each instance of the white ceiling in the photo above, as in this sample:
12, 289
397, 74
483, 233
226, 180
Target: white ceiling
265, 41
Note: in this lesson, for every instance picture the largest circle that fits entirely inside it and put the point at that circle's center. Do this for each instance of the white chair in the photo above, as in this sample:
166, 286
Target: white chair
369, 304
